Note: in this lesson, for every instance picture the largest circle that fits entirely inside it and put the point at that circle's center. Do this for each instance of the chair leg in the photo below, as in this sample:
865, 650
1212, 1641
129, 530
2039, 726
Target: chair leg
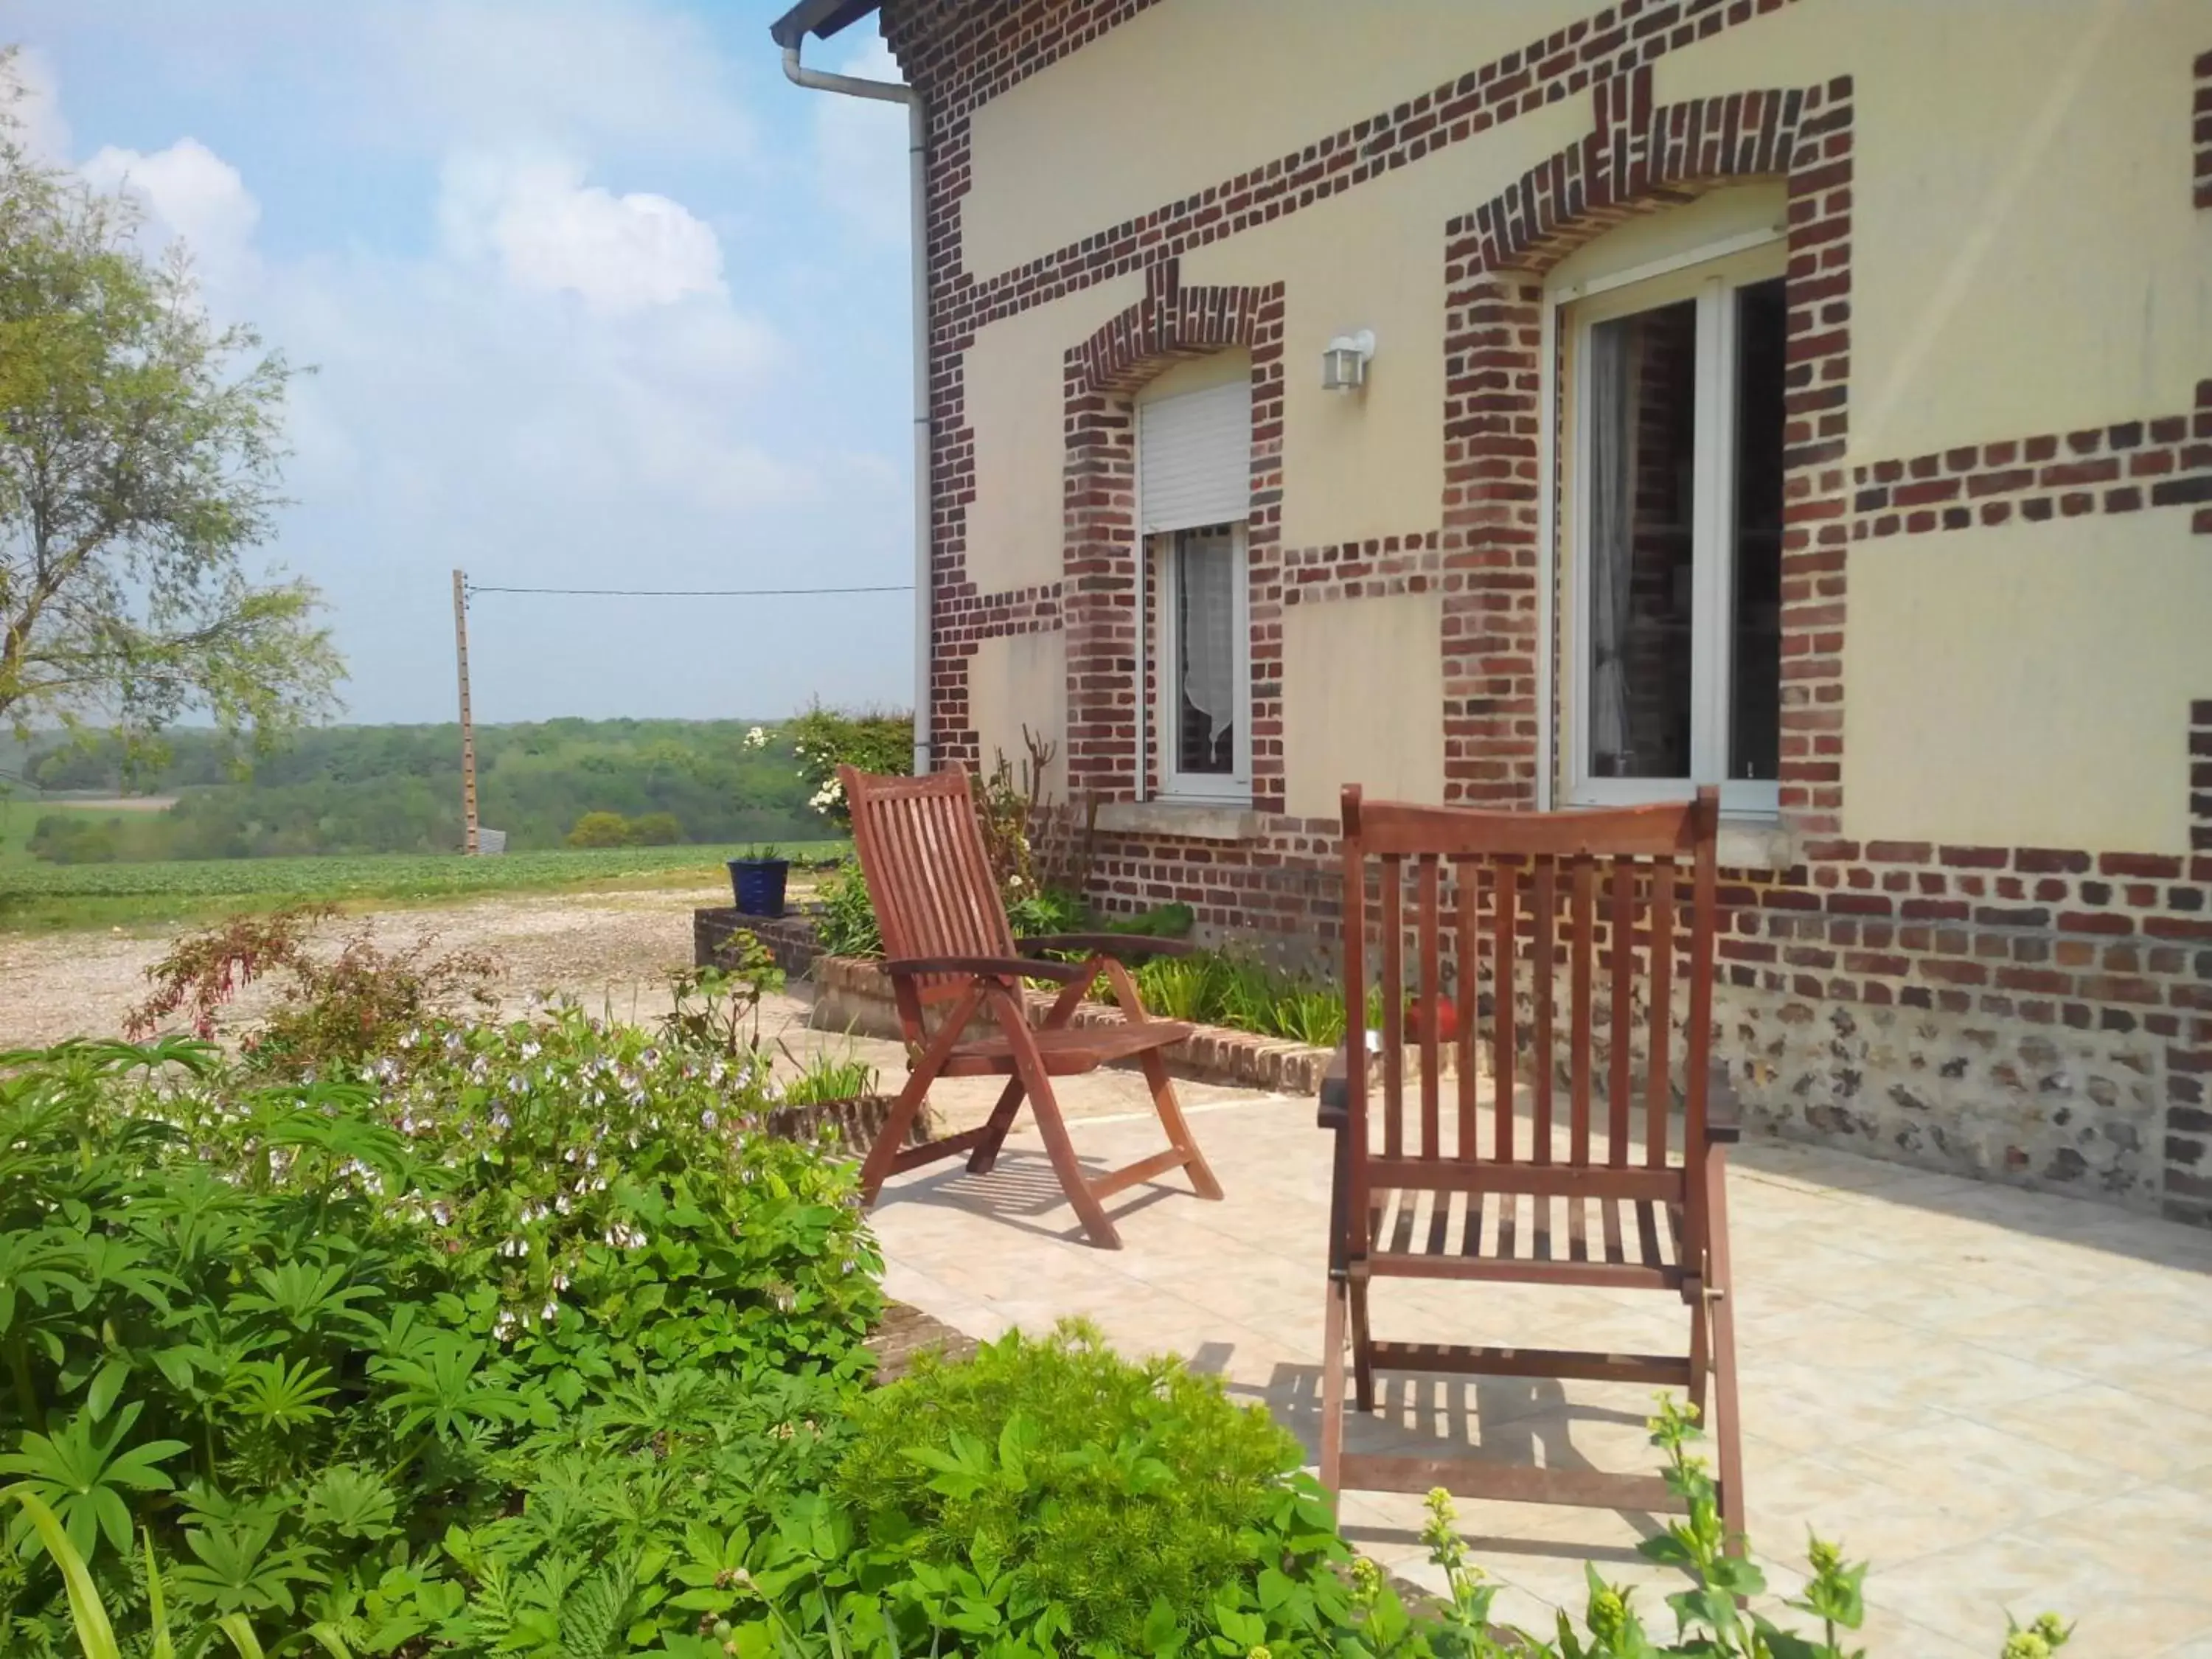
1029, 1070
885, 1151
1363, 1354
1701, 1350
986, 1155
1726, 1427
1178, 1129
1332, 1390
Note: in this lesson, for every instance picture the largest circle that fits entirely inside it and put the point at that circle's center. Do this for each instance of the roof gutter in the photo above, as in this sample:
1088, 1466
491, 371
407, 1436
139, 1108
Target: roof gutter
792, 38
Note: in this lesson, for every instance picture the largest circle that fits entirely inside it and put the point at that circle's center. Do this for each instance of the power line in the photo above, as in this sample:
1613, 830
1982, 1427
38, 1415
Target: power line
693, 592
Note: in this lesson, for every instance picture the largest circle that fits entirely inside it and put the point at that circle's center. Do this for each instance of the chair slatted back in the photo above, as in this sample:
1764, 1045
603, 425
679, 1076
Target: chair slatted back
922, 854
1585, 908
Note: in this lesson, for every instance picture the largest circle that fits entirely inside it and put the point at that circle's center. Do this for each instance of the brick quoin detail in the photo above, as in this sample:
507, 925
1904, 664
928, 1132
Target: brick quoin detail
1102, 375
1637, 160
2166, 461
2200, 117
959, 63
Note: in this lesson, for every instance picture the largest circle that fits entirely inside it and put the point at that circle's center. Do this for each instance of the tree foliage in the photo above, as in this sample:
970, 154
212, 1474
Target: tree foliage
140, 446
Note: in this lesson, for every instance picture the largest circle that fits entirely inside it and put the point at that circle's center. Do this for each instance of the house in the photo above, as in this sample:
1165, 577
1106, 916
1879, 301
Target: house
1532, 403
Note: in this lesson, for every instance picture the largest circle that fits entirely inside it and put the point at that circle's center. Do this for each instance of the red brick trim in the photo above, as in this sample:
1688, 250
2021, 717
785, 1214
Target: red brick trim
948, 62
1373, 568
1169, 323
2201, 129
1639, 159
2200, 787
2166, 461
1101, 375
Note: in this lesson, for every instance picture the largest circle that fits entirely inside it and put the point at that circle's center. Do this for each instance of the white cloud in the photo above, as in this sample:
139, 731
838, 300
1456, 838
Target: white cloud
192, 195
558, 72
862, 144
551, 232
38, 106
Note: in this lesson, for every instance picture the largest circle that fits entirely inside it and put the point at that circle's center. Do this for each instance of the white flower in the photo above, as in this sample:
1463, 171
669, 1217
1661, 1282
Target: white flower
756, 738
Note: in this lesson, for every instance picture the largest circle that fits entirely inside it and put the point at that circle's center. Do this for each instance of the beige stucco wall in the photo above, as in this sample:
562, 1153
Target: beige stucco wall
1370, 463
1191, 92
1197, 374
2028, 685
1363, 702
1018, 680
2023, 256
1016, 408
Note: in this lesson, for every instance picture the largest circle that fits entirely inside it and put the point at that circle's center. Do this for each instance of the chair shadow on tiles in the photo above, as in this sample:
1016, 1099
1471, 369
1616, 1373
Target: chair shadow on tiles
1019, 1191
1516, 1420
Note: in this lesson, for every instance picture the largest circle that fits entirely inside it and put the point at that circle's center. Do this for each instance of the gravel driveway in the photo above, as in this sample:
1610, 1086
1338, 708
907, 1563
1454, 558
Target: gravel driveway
611, 950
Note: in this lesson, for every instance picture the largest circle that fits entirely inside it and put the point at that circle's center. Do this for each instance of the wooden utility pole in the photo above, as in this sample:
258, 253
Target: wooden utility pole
468, 726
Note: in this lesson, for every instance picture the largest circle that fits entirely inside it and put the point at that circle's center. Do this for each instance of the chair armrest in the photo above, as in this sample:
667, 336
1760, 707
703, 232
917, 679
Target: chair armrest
1723, 1117
1336, 1092
1006, 968
1123, 947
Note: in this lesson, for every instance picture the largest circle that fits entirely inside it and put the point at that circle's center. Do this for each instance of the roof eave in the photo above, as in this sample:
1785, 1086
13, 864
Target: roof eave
820, 18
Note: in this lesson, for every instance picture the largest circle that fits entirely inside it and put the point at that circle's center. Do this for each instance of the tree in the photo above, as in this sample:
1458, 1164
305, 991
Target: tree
140, 452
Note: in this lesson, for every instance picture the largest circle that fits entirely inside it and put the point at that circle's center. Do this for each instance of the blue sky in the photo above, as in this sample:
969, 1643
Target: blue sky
593, 297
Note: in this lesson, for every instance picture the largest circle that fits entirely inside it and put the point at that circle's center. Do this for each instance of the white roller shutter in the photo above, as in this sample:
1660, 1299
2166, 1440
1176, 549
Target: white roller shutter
1194, 459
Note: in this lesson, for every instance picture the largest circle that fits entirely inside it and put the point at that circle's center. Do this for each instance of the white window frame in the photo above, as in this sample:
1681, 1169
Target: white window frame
1710, 275
1233, 788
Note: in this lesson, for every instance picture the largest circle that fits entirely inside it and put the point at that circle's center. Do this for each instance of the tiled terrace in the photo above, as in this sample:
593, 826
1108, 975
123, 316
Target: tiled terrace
2003, 1399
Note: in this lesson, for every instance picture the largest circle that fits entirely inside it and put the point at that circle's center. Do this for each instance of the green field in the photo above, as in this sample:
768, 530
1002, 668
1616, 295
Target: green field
19, 816
45, 897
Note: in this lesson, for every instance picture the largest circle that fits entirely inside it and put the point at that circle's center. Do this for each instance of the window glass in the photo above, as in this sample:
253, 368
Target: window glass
1755, 680
1203, 594
1642, 424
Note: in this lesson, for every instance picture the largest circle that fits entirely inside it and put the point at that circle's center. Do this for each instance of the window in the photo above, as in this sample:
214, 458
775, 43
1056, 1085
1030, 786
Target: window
1206, 682
1194, 487
1675, 669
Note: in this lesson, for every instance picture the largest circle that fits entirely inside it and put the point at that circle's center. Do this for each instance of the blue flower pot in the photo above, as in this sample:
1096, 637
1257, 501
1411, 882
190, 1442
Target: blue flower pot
758, 884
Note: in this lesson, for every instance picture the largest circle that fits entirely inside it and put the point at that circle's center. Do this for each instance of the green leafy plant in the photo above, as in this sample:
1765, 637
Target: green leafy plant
529, 1299
827, 1077
993, 1483
822, 739
844, 916
716, 1008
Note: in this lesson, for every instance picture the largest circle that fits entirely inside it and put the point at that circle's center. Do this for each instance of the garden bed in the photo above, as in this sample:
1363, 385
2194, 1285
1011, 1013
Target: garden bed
854, 994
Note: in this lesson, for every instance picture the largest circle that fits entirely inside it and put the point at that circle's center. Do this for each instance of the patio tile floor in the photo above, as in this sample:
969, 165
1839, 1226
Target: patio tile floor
2003, 1399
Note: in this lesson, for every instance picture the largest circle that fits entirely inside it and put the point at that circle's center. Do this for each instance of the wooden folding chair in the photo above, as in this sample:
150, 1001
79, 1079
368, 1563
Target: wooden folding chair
1574, 1202
949, 953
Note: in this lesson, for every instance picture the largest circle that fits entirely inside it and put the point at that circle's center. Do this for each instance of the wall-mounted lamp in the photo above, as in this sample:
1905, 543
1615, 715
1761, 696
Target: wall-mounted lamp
1344, 363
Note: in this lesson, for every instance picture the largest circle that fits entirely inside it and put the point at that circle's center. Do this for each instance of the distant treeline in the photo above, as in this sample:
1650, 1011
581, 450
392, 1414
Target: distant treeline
351, 789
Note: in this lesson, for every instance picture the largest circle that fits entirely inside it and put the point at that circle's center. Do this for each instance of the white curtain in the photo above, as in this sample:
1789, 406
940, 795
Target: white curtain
1208, 628
1612, 510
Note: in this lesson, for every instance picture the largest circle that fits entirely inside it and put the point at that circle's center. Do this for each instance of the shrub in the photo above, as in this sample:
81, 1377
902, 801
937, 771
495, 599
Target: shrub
1047, 910
215, 1327
460, 1346
60, 839
1219, 988
822, 739
343, 1008
600, 829
599, 1168
653, 829
1123, 1500
845, 919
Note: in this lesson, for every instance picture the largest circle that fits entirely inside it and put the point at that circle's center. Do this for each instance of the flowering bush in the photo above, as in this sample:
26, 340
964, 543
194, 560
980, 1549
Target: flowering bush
591, 1161
822, 739
419, 1354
